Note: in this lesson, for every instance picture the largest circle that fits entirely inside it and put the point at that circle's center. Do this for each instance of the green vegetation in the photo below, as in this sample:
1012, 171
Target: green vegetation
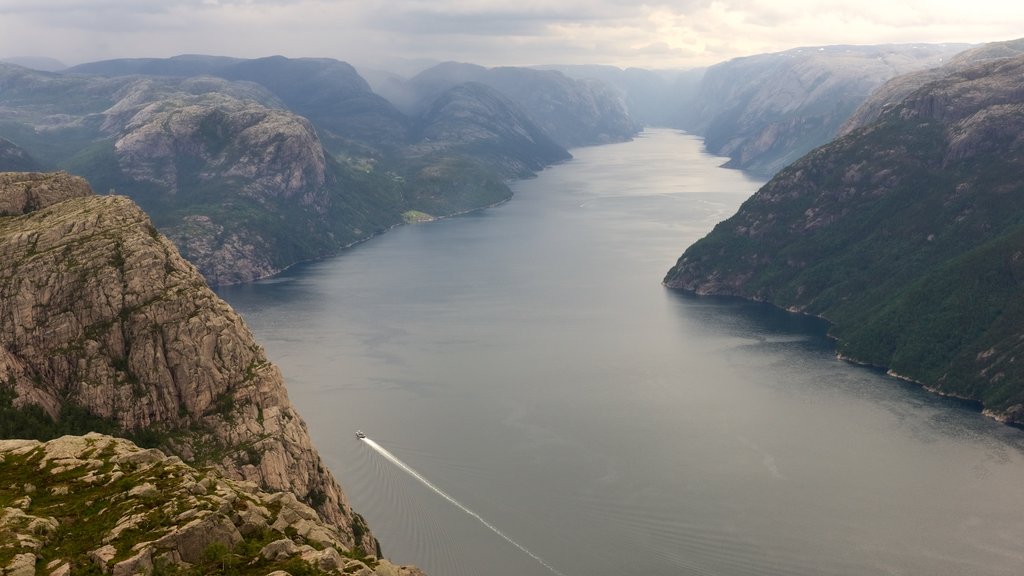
912, 251
131, 504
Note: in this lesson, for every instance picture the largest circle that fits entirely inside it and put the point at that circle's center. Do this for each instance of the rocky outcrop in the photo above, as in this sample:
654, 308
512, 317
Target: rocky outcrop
765, 111
906, 234
25, 192
100, 312
201, 155
81, 503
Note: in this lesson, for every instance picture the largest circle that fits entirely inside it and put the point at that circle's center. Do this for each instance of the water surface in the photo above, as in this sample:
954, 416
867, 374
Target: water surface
526, 360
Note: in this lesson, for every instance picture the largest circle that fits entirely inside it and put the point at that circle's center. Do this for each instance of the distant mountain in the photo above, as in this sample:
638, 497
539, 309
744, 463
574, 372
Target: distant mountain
41, 63
328, 92
15, 159
907, 234
253, 165
651, 96
766, 111
182, 66
572, 112
477, 121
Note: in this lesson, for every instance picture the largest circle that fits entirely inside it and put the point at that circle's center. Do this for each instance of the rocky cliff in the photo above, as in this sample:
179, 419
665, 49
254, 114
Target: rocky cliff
96, 504
765, 111
906, 233
99, 313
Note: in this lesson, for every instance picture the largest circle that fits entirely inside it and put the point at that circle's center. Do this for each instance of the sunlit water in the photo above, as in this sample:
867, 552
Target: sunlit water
527, 361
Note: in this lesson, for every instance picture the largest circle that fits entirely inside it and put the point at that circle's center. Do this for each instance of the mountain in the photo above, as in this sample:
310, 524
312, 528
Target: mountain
37, 63
765, 111
897, 89
97, 504
328, 92
651, 96
106, 328
253, 165
14, 159
907, 234
572, 112
242, 185
477, 121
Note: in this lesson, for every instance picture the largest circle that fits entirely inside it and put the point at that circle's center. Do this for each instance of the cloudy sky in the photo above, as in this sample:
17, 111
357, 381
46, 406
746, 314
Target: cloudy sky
657, 34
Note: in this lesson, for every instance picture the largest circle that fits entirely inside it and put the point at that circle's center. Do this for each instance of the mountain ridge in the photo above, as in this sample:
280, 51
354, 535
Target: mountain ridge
904, 234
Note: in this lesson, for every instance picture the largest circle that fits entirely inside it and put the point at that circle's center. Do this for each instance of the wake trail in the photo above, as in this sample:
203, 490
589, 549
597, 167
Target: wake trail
394, 460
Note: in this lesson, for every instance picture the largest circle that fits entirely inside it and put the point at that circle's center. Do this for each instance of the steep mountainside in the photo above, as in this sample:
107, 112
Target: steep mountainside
104, 324
477, 121
572, 112
908, 234
96, 504
766, 111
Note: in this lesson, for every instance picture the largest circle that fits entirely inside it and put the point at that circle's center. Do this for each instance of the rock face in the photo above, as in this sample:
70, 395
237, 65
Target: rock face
98, 311
199, 156
907, 234
80, 503
765, 111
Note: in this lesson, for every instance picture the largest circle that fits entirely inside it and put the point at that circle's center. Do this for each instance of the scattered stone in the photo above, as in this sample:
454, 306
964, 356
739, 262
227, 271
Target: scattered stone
327, 559
102, 555
280, 549
22, 565
145, 490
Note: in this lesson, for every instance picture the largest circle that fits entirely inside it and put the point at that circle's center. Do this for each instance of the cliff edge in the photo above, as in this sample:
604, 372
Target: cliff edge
99, 314
78, 504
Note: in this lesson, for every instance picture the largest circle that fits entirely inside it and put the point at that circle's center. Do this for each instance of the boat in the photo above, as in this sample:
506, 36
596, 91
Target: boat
360, 435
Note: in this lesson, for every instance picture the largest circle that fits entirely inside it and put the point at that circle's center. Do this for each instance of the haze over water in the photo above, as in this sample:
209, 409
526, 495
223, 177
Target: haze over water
526, 360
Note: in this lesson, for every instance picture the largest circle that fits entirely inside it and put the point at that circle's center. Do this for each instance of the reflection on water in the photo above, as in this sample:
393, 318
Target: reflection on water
527, 360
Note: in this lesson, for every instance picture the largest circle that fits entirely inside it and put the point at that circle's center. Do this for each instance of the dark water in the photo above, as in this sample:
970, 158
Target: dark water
526, 360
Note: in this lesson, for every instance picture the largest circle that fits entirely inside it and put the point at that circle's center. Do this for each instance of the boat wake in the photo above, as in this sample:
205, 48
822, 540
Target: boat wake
394, 460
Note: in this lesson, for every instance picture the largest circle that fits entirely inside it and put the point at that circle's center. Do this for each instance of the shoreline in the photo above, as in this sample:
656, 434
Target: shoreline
976, 404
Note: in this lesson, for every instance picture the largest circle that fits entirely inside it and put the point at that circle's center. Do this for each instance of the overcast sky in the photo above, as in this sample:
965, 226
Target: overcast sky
673, 34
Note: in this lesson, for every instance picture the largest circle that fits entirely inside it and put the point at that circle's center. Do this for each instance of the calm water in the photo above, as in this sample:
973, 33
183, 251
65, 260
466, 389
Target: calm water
526, 360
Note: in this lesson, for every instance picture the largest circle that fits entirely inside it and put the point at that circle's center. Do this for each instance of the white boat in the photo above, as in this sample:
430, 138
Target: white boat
359, 434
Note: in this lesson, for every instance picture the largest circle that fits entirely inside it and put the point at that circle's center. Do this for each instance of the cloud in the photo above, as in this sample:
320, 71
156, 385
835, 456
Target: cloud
654, 34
